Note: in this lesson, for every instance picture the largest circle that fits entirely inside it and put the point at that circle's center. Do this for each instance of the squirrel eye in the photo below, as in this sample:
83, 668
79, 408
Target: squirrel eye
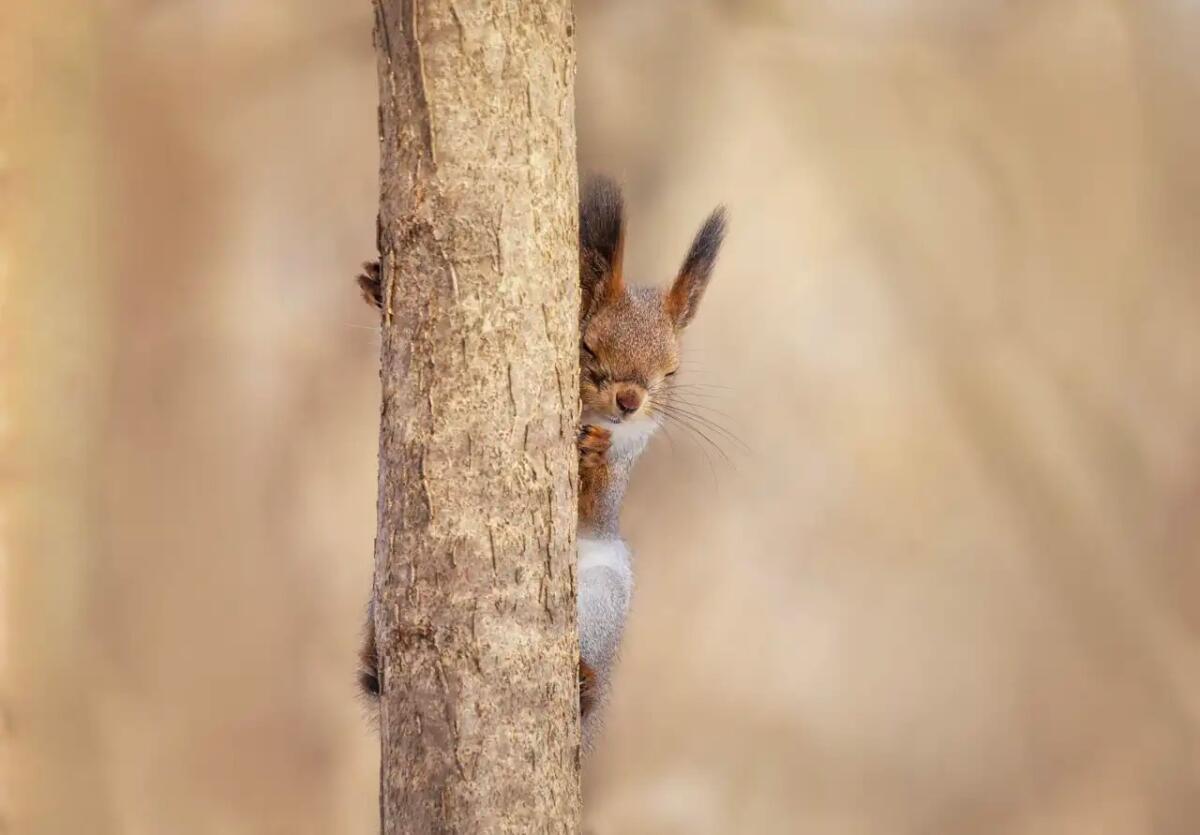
670, 374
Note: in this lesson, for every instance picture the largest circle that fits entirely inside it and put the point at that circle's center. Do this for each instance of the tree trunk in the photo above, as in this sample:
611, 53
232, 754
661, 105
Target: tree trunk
474, 560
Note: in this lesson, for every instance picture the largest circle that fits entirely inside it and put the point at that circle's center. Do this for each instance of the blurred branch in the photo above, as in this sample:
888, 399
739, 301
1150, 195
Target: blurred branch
52, 368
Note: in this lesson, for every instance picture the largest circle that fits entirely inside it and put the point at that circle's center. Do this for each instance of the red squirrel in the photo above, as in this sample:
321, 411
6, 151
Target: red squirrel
628, 357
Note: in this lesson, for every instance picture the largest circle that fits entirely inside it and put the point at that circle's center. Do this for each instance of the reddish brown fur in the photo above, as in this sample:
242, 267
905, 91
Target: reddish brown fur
587, 689
594, 472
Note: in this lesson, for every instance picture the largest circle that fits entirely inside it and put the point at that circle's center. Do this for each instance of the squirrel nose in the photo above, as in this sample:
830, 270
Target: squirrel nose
630, 400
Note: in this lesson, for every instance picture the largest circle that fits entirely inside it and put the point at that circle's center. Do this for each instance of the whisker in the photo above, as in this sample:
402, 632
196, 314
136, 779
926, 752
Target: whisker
686, 422
707, 390
702, 408
706, 397
708, 423
704, 436
662, 424
703, 386
708, 459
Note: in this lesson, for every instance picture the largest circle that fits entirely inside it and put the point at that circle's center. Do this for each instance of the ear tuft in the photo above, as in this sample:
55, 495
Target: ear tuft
601, 241
688, 289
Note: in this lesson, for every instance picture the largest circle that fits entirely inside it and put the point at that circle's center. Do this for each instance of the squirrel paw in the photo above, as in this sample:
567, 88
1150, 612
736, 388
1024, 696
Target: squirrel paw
594, 442
370, 282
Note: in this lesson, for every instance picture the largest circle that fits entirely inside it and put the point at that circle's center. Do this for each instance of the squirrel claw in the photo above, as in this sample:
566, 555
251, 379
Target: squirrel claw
370, 282
594, 443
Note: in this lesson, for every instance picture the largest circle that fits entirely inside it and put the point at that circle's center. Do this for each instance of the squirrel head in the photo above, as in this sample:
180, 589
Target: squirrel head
629, 337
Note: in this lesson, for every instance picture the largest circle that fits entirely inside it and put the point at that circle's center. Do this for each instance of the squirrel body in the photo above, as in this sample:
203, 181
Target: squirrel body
628, 353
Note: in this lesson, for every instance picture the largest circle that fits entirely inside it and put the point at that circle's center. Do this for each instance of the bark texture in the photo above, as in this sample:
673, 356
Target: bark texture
474, 562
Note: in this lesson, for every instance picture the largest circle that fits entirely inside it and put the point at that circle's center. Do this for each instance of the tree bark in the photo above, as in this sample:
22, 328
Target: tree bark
474, 560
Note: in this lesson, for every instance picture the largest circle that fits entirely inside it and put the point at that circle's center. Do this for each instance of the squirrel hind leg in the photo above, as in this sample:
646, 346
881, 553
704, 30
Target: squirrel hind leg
593, 692
588, 689
368, 681
368, 663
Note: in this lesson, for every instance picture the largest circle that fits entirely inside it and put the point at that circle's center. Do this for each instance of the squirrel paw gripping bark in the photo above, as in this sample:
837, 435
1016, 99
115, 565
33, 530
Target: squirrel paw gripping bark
594, 443
370, 282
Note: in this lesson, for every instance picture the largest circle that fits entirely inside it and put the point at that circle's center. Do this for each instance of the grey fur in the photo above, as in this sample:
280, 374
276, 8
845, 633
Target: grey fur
605, 590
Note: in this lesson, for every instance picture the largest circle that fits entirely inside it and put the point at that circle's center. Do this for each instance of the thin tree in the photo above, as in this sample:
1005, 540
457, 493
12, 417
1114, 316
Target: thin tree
474, 558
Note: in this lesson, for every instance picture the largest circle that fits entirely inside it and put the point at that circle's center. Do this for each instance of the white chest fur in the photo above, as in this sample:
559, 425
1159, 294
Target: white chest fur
629, 437
605, 578
612, 554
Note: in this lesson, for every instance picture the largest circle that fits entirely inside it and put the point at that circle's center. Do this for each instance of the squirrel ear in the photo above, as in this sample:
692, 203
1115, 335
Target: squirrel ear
685, 294
601, 242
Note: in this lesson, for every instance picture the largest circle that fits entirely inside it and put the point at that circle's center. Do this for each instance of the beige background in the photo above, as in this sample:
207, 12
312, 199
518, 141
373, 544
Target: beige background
943, 580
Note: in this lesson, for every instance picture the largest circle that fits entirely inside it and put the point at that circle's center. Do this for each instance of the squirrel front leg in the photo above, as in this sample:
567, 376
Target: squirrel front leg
594, 443
595, 473
370, 284
605, 578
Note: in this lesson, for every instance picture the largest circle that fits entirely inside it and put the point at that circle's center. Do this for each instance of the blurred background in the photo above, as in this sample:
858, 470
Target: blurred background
937, 570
